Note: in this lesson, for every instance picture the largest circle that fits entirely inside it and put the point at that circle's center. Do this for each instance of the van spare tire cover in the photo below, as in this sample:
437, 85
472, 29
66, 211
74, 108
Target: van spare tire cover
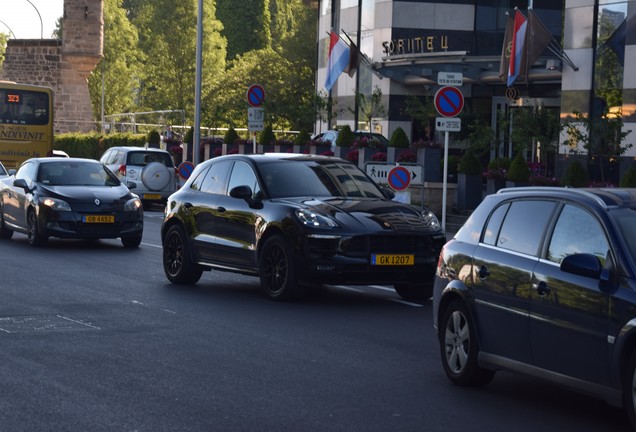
155, 176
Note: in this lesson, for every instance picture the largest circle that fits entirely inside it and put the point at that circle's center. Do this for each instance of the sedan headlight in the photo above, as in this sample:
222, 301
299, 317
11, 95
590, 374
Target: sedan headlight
315, 220
132, 205
56, 204
431, 220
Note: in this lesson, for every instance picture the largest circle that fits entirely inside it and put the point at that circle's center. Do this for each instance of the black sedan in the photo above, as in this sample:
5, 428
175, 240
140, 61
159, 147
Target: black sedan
68, 198
297, 221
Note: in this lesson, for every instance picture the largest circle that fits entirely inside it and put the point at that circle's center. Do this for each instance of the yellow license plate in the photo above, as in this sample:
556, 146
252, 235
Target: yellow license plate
394, 259
98, 219
152, 196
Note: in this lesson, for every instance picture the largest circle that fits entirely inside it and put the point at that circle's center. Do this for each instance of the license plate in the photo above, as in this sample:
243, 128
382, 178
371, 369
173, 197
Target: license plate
383, 259
98, 219
152, 196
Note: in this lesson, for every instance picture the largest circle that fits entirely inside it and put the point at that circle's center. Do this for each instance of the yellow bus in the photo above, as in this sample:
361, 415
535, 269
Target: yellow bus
26, 122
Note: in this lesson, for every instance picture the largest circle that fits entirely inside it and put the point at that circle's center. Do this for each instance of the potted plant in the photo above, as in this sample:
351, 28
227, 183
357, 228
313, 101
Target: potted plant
267, 139
469, 181
496, 174
519, 172
229, 140
398, 144
575, 174
344, 141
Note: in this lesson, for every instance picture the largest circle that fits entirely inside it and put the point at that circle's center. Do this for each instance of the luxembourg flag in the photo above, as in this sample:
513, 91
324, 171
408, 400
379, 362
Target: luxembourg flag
338, 59
518, 47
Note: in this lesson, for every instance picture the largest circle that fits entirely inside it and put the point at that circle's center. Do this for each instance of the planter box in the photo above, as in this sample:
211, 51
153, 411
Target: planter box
430, 159
469, 191
493, 185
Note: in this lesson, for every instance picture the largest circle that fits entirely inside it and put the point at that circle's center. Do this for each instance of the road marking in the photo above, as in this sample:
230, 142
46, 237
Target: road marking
381, 288
151, 245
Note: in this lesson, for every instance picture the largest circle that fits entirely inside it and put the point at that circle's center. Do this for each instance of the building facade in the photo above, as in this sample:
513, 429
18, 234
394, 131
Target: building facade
408, 43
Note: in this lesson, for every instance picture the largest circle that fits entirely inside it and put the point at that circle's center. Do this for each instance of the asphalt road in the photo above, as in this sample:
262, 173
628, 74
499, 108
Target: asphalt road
94, 338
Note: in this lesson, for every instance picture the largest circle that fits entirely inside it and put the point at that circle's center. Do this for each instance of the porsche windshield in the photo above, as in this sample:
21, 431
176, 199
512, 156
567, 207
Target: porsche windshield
294, 178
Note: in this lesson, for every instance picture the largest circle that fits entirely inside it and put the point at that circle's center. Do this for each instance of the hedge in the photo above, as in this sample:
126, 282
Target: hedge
92, 145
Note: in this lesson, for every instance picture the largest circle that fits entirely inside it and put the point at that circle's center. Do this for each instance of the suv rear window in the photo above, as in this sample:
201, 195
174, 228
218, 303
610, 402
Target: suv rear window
140, 158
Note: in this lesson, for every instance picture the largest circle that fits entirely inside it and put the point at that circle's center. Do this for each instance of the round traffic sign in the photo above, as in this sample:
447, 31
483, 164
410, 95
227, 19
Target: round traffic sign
185, 169
255, 95
449, 101
399, 178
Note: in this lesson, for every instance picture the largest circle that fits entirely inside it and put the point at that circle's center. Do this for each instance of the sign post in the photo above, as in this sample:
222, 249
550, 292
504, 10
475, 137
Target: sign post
449, 101
255, 97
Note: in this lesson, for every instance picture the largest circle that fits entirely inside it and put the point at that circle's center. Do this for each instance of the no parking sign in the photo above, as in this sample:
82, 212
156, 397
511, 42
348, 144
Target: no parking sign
399, 178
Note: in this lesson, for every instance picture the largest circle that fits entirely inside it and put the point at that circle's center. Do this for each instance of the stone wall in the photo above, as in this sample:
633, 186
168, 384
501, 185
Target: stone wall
63, 65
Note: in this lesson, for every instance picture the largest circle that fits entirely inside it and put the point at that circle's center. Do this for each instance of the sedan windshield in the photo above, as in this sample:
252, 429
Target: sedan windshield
76, 174
296, 178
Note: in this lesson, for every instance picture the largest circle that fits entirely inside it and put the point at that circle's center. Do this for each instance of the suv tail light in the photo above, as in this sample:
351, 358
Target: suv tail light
122, 170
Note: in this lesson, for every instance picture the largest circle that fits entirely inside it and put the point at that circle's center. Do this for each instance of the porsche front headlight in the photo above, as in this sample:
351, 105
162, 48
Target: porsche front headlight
431, 220
312, 219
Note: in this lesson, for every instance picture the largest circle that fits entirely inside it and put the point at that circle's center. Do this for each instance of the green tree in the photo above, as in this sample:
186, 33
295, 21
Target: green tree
288, 91
168, 33
119, 70
3, 46
246, 28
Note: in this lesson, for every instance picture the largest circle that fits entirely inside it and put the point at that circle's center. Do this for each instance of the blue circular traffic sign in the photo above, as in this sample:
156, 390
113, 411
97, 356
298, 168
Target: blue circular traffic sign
255, 95
185, 169
399, 178
449, 101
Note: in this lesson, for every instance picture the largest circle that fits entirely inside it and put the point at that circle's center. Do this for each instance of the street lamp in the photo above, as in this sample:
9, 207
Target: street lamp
41, 23
5, 24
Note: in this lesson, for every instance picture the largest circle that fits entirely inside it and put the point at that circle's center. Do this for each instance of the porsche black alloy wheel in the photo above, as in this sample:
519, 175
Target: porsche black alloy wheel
277, 270
177, 263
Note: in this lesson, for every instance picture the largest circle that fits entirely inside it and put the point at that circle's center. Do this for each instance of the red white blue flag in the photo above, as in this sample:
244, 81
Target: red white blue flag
338, 59
518, 47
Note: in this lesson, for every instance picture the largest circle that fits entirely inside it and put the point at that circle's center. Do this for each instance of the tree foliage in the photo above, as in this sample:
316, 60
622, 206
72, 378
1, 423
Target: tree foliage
119, 70
246, 30
168, 33
3, 46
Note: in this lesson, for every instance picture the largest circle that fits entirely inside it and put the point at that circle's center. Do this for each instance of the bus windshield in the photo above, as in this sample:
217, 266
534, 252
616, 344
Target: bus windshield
25, 107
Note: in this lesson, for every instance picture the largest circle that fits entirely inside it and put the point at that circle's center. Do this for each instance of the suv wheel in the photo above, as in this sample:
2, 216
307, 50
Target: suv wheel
177, 263
458, 346
277, 270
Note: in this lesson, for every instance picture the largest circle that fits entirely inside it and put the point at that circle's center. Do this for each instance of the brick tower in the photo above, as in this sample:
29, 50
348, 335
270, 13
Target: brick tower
63, 65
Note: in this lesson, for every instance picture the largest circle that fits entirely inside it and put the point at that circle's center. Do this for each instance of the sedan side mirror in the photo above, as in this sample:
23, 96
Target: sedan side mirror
21, 183
582, 264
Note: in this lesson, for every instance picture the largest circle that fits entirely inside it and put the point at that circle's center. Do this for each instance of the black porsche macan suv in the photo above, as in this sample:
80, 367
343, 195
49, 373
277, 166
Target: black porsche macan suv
297, 220
542, 281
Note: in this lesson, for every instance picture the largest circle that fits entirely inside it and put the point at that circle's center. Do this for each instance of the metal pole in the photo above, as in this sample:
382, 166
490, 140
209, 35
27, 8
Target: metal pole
41, 23
445, 182
197, 91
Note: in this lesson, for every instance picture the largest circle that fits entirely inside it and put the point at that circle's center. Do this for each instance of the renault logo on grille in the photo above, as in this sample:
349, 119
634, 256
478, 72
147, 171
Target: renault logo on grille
97, 201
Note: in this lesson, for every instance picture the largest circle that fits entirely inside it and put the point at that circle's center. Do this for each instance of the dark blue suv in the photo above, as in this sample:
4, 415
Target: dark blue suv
542, 281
